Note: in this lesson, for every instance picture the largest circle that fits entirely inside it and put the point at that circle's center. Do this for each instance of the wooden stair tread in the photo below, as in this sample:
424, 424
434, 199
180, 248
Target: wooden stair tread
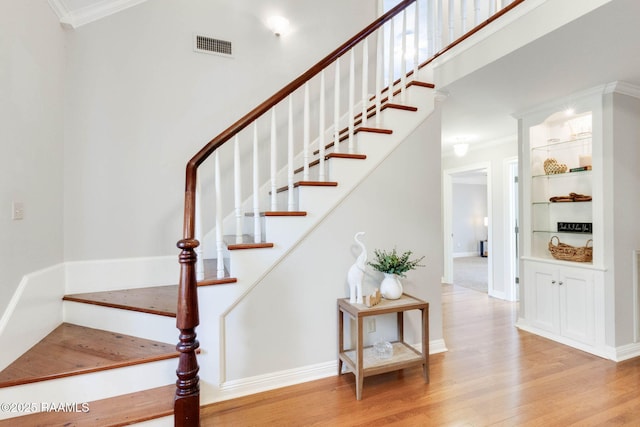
399, 107
308, 184
332, 156
278, 213
421, 84
160, 300
344, 132
285, 213
246, 242
73, 350
115, 411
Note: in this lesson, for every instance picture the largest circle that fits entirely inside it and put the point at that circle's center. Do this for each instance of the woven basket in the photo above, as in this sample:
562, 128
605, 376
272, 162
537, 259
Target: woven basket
551, 166
565, 252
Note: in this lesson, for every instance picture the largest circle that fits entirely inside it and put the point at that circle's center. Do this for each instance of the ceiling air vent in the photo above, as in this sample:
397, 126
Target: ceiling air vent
204, 44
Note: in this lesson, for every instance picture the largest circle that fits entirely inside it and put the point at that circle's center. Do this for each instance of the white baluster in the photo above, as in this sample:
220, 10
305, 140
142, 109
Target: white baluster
403, 60
492, 7
352, 98
476, 12
416, 40
291, 203
379, 75
463, 16
431, 29
198, 229
439, 25
321, 129
391, 60
336, 108
274, 153
306, 133
365, 80
257, 225
237, 186
452, 16
219, 236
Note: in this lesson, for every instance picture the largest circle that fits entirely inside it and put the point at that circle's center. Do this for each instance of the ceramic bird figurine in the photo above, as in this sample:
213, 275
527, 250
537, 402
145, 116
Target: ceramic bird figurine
356, 272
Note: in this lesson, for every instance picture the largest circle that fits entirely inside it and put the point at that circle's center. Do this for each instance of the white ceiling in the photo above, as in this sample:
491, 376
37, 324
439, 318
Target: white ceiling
598, 48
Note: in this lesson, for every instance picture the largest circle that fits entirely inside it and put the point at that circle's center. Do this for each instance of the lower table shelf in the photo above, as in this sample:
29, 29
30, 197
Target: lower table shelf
404, 356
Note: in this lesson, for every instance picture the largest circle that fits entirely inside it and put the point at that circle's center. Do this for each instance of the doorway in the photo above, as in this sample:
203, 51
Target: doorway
467, 226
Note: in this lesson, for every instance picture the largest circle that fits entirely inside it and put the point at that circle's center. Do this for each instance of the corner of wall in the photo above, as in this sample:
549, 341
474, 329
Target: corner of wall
35, 309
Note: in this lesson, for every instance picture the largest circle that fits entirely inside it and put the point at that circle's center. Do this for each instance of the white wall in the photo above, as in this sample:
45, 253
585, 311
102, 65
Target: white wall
624, 131
495, 155
470, 208
292, 312
141, 103
31, 140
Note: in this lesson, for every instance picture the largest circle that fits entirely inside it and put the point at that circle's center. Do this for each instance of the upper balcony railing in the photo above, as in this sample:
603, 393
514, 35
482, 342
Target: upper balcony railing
299, 125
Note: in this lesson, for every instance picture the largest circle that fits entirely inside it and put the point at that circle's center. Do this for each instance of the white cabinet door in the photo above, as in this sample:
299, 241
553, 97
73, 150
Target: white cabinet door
542, 308
561, 300
577, 304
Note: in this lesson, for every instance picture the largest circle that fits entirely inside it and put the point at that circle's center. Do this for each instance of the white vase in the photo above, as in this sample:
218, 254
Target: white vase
391, 288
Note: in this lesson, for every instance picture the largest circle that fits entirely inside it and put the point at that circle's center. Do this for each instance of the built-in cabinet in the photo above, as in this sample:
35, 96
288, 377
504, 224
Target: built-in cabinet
561, 301
561, 186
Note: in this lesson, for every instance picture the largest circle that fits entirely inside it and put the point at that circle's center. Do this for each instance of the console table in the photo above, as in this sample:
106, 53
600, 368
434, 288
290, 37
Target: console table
363, 361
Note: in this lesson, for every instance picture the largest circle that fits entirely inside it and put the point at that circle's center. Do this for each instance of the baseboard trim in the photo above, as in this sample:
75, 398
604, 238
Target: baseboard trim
626, 352
246, 386
605, 352
252, 385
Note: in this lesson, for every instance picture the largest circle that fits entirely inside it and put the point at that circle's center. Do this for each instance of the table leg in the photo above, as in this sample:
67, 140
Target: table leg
400, 326
425, 342
359, 359
340, 339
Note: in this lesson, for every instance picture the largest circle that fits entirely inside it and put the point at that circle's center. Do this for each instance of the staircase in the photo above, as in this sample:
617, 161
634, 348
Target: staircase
88, 348
85, 363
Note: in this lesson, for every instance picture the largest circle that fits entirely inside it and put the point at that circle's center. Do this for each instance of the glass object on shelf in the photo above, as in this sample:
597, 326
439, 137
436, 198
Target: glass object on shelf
383, 350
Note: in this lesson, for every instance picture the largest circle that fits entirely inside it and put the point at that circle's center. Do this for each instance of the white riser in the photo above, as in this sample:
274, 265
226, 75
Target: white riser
143, 325
93, 386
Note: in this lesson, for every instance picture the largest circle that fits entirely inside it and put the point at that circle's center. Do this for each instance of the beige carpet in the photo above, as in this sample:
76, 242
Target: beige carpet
471, 272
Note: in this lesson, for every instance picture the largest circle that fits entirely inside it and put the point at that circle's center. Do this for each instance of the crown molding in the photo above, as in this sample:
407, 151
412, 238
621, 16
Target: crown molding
623, 88
82, 16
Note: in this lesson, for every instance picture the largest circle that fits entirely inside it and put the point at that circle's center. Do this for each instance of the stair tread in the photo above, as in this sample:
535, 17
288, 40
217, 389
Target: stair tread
121, 410
344, 135
73, 350
332, 156
308, 184
160, 300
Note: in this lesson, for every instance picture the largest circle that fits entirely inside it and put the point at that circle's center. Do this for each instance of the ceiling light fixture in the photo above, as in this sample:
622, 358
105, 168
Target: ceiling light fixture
460, 149
279, 25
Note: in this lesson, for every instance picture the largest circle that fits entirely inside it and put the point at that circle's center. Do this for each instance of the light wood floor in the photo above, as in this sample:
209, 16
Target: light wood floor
492, 375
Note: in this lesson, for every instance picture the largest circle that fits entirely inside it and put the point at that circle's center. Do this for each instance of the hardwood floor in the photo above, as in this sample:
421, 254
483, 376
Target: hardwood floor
492, 375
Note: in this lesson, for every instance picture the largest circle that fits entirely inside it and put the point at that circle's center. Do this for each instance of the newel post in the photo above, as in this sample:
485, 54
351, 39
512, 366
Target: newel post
186, 405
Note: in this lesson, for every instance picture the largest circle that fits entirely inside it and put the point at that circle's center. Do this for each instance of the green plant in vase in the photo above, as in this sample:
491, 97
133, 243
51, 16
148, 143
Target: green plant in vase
393, 266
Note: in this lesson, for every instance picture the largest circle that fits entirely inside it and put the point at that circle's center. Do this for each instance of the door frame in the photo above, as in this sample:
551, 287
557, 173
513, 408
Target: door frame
447, 226
511, 208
